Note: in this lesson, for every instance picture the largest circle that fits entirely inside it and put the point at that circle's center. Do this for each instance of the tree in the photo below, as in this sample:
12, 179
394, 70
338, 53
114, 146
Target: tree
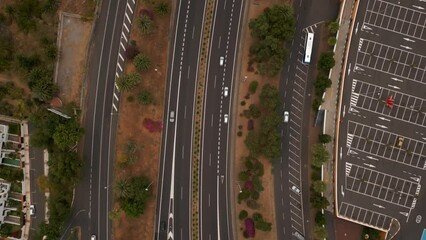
243, 195
6, 48
145, 24
64, 169
128, 82
332, 41
333, 27
324, 138
320, 218
326, 61
134, 203
145, 97
122, 188
319, 155
27, 63
320, 232
269, 97
253, 87
243, 214
277, 21
318, 202
252, 143
40, 81
161, 8
67, 135
319, 186
243, 176
142, 62
321, 84
252, 112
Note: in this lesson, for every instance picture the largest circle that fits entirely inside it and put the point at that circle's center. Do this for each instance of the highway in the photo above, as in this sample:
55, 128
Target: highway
216, 221
92, 200
292, 209
173, 204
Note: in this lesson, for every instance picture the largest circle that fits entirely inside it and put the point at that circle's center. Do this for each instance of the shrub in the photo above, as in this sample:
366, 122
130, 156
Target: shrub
253, 87
331, 41
320, 218
243, 103
145, 97
252, 204
249, 227
255, 195
127, 83
145, 24
131, 51
243, 176
333, 27
324, 138
243, 214
142, 62
243, 195
326, 61
161, 8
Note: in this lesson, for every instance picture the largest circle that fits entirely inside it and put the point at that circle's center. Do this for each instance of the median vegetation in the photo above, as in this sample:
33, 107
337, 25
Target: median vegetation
271, 30
325, 63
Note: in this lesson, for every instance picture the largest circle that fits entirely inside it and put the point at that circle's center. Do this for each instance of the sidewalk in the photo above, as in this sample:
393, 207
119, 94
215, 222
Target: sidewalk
331, 96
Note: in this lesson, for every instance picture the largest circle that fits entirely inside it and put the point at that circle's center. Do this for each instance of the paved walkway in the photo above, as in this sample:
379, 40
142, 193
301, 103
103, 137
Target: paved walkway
331, 97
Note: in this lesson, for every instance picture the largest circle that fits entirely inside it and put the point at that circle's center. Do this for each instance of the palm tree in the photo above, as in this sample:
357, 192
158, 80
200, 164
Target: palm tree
142, 62
145, 97
162, 8
128, 82
123, 188
145, 24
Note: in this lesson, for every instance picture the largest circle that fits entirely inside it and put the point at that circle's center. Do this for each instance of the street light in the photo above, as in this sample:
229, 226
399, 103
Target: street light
239, 187
146, 189
106, 187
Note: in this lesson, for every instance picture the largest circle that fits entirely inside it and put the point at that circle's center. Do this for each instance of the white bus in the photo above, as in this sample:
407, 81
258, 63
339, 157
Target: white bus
308, 48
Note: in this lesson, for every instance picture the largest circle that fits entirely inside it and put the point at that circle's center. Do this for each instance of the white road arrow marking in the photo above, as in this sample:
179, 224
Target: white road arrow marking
418, 7
384, 119
409, 40
396, 79
406, 47
356, 29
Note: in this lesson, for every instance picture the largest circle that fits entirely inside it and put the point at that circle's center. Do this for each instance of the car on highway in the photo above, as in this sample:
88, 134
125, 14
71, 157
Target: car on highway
32, 210
172, 116
225, 92
163, 226
295, 189
225, 118
93, 237
221, 60
286, 116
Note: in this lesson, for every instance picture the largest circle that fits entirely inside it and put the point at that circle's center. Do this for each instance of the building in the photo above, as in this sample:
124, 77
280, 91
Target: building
4, 209
9, 143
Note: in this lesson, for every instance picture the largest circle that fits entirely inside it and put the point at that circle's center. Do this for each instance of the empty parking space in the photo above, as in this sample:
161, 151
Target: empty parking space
386, 145
381, 186
372, 98
391, 60
396, 18
364, 216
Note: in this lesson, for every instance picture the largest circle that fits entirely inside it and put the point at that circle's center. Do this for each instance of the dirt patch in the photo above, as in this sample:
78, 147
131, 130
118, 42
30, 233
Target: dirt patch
130, 122
266, 200
347, 230
74, 37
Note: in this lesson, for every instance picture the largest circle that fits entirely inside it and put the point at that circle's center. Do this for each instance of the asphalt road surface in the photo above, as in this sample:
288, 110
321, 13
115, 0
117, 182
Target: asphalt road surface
173, 204
92, 200
292, 208
37, 197
381, 148
216, 222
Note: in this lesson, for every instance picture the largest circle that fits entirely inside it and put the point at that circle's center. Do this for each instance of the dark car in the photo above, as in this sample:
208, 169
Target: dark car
163, 226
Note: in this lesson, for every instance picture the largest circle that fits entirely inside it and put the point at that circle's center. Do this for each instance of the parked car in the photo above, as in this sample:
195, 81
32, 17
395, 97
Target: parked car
295, 189
32, 210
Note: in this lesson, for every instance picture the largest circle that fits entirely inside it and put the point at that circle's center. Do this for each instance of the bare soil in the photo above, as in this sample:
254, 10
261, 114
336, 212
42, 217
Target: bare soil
75, 36
266, 200
130, 126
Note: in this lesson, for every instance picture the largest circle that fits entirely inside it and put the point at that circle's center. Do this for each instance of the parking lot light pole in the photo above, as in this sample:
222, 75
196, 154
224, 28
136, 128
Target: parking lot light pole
239, 187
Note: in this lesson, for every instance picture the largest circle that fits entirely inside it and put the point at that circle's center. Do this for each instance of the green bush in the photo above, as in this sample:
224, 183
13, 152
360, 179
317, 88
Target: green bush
161, 8
145, 97
331, 41
142, 62
243, 195
133, 204
243, 176
127, 83
145, 24
324, 138
255, 195
243, 215
253, 87
333, 27
320, 218
326, 61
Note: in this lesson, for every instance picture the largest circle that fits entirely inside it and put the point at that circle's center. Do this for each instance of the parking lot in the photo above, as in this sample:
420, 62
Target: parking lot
382, 134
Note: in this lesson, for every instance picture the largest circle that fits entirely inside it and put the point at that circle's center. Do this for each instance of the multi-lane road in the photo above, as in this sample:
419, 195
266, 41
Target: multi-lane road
92, 199
174, 204
216, 221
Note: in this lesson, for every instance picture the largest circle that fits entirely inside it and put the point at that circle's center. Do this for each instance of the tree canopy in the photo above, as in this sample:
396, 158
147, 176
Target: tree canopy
128, 82
133, 203
326, 61
67, 135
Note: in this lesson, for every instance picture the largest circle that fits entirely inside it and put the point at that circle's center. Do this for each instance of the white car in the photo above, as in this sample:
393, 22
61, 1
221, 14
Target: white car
221, 60
295, 189
32, 210
93, 237
172, 116
225, 92
225, 118
286, 116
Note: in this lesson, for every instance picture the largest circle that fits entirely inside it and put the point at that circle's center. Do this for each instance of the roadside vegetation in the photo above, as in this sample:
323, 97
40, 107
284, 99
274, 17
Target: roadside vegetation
325, 63
272, 30
31, 24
